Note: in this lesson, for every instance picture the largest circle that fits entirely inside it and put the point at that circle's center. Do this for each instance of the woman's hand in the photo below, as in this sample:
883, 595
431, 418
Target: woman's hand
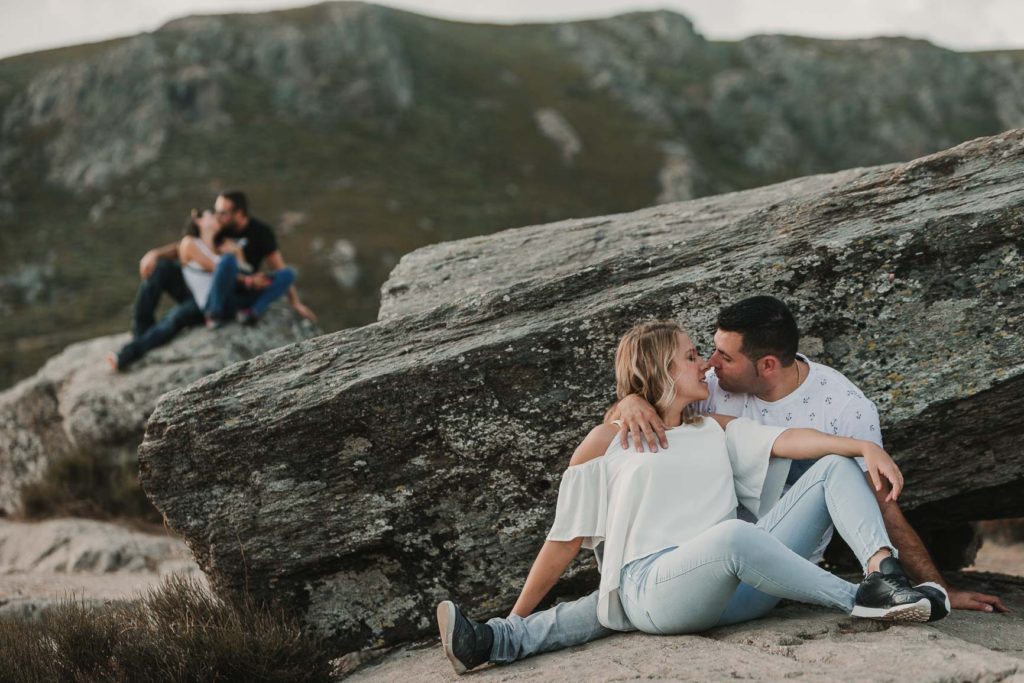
880, 465
229, 246
641, 420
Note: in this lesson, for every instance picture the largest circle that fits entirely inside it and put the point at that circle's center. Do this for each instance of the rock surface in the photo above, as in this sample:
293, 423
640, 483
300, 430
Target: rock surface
76, 402
363, 475
796, 642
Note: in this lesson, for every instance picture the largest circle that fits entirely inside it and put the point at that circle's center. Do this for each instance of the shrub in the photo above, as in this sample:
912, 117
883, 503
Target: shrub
88, 483
178, 632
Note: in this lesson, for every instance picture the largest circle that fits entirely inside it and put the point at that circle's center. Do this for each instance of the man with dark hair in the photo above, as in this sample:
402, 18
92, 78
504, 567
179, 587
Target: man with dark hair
766, 325
161, 273
237, 199
235, 291
758, 374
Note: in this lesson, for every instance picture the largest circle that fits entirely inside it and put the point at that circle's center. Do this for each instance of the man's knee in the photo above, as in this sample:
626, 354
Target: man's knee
166, 277
286, 275
163, 268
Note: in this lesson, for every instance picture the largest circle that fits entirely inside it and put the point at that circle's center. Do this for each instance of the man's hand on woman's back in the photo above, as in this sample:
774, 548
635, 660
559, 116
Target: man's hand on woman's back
641, 420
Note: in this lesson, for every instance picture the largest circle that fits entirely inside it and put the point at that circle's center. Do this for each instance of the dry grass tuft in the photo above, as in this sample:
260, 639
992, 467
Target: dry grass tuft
178, 632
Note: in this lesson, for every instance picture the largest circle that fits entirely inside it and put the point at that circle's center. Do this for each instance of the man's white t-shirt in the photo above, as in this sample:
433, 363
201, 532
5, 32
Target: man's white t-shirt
826, 400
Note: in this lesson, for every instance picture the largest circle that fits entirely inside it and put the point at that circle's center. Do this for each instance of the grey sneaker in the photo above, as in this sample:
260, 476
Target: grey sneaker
466, 643
888, 595
938, 597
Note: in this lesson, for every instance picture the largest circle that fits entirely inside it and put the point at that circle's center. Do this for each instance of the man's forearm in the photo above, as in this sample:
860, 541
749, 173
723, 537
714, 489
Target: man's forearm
167, 251
913, 555
293, 296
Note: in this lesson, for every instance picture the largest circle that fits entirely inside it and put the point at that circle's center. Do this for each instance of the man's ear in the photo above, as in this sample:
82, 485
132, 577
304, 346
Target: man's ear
768, 365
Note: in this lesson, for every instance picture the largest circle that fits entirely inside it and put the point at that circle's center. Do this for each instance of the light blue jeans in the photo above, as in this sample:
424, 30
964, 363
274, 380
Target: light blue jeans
703, 588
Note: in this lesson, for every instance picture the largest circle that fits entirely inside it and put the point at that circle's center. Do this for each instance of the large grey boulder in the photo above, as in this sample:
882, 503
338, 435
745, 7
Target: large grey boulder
363, 475
75, 402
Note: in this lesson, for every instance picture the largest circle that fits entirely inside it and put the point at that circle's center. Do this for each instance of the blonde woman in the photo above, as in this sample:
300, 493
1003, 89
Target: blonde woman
673, 551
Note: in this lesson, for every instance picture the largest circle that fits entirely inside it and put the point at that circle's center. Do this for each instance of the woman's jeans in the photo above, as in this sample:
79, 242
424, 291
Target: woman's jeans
699, 582
227, 298
689, 588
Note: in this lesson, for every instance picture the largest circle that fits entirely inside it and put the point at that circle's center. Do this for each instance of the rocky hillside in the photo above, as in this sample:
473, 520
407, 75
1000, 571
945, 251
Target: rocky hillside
365, 132
363, 475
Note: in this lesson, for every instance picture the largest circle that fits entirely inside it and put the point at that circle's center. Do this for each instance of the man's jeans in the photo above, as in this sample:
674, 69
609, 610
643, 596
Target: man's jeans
833, 490
227, 298
166, 277
181, 316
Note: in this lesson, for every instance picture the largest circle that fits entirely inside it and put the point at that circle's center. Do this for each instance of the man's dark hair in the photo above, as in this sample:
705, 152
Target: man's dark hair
237, 199
767, 325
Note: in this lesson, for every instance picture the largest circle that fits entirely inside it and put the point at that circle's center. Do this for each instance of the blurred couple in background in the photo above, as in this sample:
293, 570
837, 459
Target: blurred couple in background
214, 275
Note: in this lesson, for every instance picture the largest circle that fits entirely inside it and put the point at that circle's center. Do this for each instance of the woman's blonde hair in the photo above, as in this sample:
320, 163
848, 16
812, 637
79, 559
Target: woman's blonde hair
642, 366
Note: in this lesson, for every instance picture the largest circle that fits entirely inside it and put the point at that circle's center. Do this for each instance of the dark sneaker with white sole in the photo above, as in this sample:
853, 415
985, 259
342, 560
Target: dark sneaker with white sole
938, 597
466, 643
888, 595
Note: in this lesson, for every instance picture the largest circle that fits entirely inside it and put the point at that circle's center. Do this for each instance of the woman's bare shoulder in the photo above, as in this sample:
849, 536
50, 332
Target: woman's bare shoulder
595, 444
187, 243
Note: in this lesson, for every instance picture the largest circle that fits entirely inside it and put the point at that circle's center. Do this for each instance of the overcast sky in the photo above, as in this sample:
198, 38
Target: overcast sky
29, 25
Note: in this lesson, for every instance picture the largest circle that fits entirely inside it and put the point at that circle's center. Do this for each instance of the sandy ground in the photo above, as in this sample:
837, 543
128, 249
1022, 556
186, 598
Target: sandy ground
1000, 558
45, 562
798, 642
58, 585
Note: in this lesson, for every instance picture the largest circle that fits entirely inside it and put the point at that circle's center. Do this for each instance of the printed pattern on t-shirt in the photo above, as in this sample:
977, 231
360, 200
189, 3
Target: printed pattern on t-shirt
826, 401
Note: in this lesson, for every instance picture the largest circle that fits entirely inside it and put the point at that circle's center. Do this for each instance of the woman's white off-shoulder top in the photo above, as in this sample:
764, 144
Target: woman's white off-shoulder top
640, 503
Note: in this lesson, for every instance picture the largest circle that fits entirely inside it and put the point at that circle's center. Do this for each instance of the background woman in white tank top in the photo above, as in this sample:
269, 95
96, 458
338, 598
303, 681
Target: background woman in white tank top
200, 252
